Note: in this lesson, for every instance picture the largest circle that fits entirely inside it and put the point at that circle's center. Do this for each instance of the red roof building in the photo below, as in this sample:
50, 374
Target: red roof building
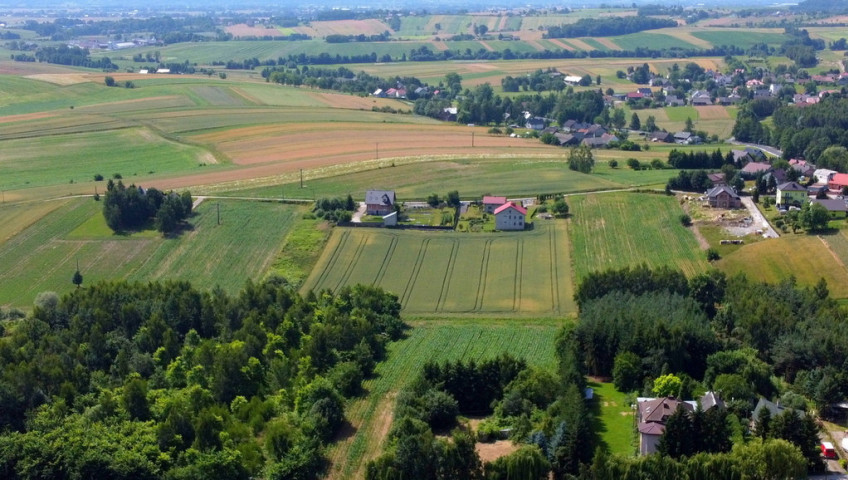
838, 182
490, 203
510, 216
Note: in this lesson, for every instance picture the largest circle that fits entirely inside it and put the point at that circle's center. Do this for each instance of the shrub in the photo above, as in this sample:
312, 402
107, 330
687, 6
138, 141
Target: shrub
685, 220
98, 178
712, 254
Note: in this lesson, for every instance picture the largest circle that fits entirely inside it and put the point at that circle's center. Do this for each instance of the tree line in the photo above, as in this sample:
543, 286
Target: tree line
607, 27
160, 380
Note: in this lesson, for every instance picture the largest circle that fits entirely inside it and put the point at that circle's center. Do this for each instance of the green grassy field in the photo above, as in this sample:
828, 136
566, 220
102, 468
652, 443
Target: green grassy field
505, 273
44, 255
626, 229
655, 41
615, 418
371, 415
473, 177
74, 158
740, 37
776, 259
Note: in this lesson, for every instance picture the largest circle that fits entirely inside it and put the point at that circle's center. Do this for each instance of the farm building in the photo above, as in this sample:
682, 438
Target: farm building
379, 202
790, 193
718, 179
390, 220
651, 417
491, 203
837, 208
664, 137
838, 182
753, 168
723, 197
510, 216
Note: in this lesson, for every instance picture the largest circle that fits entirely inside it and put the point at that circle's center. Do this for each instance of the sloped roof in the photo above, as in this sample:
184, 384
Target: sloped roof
755, 167
710, 400
791, 187
509, 205
840, 179
832, 205
490, 199
380, 197
721, 188
651, 428
659, 409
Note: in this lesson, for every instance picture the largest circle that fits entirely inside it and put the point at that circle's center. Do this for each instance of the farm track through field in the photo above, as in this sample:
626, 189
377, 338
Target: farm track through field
337, 251
352, 263
484, 271
386, 259
556, 304
519, 274
416, 269
443, 293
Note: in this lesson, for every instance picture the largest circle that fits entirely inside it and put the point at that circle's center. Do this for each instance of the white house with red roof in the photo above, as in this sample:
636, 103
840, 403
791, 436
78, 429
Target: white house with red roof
490, 203
510, 216
838, 182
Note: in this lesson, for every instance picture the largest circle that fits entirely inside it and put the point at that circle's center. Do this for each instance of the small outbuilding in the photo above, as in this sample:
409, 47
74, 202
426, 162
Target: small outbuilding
490, 203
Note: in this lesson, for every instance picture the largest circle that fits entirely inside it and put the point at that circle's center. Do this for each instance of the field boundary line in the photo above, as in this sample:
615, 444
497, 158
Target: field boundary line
416, 269
555, 303
835, 256
386, 259
484, 271
519, 274
352, 265
332, 260
440, 303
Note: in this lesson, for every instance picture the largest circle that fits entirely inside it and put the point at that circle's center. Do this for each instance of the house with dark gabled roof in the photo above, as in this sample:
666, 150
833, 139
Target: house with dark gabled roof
710, 400
379, 202
717, 178
651, 415
791, 193
723, 197
753, 168
837, 208
510, 216
664, 137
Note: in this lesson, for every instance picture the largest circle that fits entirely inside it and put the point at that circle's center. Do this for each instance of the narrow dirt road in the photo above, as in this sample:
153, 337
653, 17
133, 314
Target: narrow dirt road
758, 218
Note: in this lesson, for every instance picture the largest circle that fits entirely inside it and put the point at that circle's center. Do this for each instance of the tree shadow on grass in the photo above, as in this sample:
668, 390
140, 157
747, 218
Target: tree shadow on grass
598, 426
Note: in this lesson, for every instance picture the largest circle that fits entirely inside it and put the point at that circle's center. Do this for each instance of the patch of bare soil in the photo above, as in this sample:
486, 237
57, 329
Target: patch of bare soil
492, 451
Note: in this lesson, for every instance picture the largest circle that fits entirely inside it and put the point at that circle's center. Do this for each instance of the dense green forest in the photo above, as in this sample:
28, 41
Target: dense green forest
608, 27
160, 380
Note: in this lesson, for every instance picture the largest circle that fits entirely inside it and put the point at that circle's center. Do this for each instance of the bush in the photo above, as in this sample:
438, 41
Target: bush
488, 431
685, 220
712, 255
613, 163
98, 178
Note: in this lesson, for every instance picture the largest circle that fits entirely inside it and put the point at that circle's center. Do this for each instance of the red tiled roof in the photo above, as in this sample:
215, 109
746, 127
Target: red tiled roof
490, 199
508, 205
839, 179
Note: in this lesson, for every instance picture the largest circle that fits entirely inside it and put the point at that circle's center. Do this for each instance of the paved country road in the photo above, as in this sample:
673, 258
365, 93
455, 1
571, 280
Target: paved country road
770, 150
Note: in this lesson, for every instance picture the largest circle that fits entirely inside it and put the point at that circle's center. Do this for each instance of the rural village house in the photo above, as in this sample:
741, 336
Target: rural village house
836, 207
490, 203
652, 414
838, 182
379, 202
790, 193
510, 216
723, 197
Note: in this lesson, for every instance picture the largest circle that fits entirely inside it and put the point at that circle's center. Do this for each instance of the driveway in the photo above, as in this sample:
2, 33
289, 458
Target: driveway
357, 215
758, 219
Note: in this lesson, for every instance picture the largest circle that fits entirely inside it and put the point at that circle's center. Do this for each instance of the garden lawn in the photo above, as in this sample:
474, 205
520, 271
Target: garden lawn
615, 418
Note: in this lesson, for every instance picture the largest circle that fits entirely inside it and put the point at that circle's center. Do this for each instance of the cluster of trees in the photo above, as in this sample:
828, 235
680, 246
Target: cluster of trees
73, 56
338, 38
701, 159
159, 380
450, 200
335, 209
538, 81
134, 207
608, 27
166, 29
580, 159
546, 410
426, 54
730, 335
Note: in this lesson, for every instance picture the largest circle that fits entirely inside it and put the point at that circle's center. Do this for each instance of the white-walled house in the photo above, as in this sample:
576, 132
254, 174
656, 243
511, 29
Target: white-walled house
510, 216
